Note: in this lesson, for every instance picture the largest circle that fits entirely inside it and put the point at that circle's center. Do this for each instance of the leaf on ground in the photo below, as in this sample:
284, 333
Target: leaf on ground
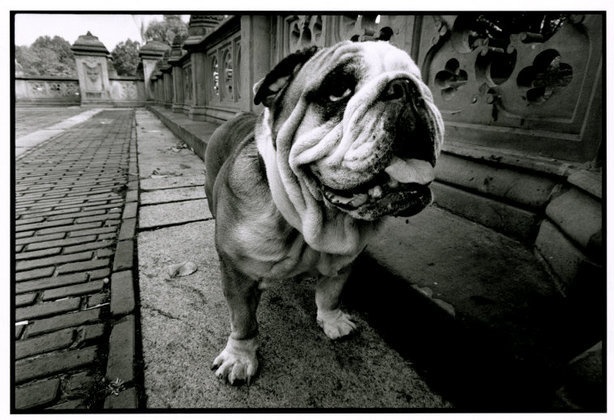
183, 269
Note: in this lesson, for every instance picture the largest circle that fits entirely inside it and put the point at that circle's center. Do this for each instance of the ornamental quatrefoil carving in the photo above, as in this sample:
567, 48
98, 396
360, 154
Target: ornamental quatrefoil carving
545, 77
450, 79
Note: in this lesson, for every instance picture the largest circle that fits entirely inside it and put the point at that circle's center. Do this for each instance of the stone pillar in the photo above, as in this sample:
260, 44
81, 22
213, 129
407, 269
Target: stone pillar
175, 60
168, 88
199, 99
256, 34
198, 28
167, 79
150, 54
91, 57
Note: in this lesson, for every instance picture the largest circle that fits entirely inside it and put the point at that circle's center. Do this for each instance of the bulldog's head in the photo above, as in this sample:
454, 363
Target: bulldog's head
356, 125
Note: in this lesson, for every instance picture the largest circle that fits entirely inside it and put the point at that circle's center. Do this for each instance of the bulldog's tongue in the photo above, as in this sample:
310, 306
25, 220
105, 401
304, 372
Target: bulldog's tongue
410, 171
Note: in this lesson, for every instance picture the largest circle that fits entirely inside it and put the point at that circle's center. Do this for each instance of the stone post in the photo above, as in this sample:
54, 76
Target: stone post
198, 28
91, 57
256, 34
167, 79
150, 54
175, 61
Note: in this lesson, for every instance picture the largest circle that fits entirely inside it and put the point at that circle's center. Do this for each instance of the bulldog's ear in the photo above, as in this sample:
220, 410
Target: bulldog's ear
267, 89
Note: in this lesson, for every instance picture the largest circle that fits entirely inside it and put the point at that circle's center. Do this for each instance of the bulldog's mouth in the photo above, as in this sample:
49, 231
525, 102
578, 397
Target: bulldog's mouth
401, 189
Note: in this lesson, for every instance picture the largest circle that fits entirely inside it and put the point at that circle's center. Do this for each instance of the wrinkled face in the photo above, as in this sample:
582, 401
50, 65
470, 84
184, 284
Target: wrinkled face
369, 134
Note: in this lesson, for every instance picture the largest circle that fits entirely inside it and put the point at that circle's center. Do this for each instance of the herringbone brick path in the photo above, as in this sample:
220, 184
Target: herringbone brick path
75, 200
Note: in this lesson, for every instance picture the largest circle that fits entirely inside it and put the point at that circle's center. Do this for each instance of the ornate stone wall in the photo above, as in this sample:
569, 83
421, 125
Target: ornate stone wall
49, 91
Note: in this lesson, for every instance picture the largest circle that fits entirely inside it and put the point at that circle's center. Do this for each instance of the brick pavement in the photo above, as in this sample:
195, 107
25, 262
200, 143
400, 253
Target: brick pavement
75, 216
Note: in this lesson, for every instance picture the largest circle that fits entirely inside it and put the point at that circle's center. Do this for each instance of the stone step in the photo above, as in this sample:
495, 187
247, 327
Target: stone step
472, 307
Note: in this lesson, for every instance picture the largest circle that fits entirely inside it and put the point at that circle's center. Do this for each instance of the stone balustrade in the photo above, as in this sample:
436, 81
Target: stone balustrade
47, 90
521, 97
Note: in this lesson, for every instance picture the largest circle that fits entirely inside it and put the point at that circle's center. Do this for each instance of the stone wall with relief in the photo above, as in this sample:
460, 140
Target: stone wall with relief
47, 91
521, 95
519, 82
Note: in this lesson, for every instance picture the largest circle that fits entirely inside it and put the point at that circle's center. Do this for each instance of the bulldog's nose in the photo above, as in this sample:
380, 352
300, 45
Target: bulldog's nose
397, 90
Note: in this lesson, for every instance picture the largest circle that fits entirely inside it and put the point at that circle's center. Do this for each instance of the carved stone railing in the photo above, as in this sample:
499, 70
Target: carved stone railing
126, 90
47, 90
526, 83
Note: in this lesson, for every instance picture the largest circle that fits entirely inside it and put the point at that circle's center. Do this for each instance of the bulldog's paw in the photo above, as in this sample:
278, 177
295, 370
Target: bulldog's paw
237, 363
335, 323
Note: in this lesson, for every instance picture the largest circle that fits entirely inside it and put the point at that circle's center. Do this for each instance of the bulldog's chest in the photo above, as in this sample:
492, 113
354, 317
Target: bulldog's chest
270, 249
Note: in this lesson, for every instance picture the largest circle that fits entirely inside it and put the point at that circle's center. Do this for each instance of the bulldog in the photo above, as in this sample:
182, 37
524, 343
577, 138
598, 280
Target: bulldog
349, 134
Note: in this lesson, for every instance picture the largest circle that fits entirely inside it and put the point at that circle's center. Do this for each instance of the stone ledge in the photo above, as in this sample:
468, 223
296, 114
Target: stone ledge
578, 215
472, 306
510, 220
497, 182
194, 133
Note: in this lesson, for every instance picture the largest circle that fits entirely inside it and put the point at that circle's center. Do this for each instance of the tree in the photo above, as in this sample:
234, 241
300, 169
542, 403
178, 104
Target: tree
126, 57
47, 57
166, 30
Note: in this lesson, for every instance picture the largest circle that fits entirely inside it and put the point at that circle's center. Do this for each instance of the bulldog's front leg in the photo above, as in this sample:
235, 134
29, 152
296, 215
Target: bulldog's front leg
238, 362
334, 321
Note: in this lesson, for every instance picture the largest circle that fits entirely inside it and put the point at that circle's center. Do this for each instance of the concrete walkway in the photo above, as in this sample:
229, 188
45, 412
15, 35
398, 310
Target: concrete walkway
185, 320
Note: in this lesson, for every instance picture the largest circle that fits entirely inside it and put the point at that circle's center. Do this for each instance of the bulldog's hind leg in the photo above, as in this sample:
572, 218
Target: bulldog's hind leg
238, 362
334, 321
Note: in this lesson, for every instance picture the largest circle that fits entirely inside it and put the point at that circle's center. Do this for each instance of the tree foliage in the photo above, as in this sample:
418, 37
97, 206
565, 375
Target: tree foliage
46, 57
126, 57
165, 31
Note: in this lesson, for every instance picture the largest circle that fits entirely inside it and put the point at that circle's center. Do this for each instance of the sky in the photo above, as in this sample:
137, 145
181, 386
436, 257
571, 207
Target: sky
110, 29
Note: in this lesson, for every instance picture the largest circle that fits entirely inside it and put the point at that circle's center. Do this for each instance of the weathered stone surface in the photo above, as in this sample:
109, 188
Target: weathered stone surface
42, 262
43, 343
127, 229
504, 218
175, 194
76, 290
502, 183
130, 210
27, 369
563, 257
150, 184
36, 394
46, 309
124, 255
120, 361
122, 293
589, 181
62, 321
23, 300
173, 213
583, 385
126, 399
48, 283
83, 266
578, 215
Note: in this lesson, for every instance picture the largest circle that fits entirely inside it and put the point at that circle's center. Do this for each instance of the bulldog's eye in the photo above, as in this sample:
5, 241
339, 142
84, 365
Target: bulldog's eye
335, 97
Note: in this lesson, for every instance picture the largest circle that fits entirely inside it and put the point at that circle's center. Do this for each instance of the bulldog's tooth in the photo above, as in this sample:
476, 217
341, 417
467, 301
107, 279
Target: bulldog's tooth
359, 200
375, 192
410, 171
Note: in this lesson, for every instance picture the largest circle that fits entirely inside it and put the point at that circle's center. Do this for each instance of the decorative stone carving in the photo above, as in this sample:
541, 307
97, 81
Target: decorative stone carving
93, 79
529, 74
91, 57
